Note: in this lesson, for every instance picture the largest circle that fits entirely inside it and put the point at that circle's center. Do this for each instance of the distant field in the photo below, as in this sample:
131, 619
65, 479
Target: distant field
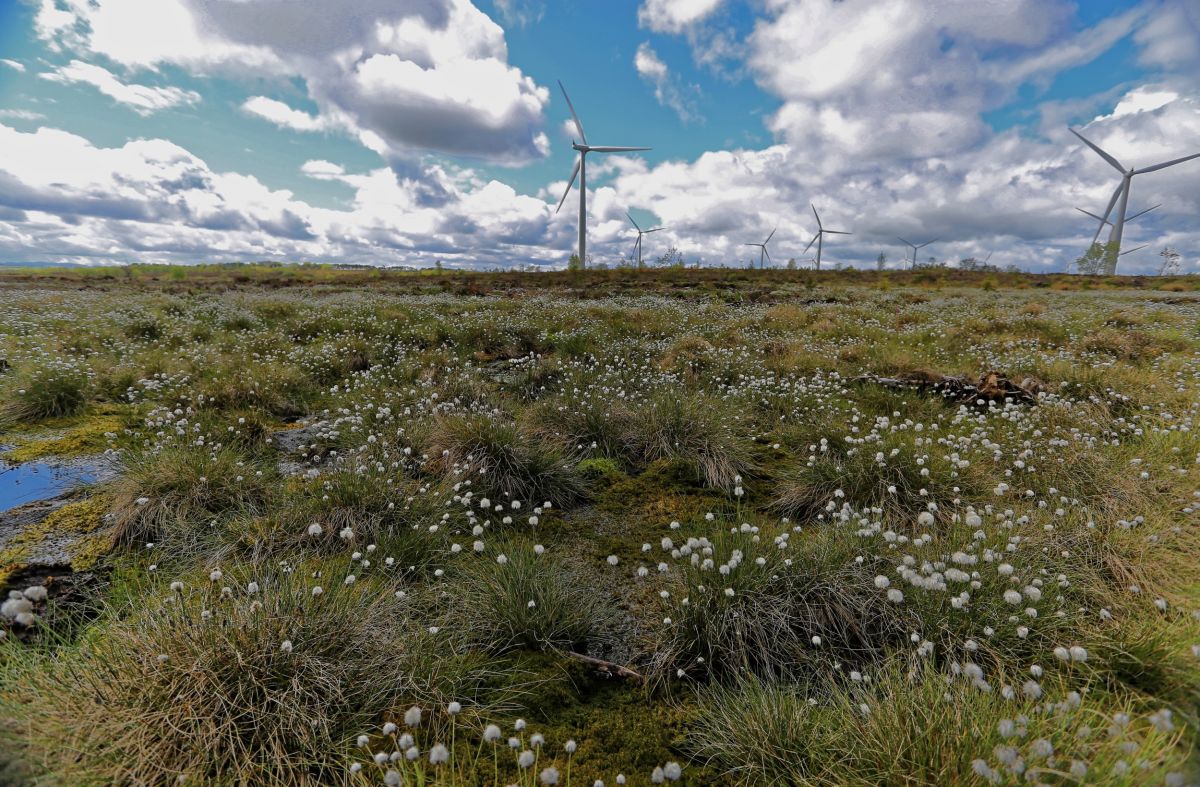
713, 527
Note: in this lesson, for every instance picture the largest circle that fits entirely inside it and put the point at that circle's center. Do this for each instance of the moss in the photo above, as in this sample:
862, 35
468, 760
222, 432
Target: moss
82, 439
618, 726
83, 518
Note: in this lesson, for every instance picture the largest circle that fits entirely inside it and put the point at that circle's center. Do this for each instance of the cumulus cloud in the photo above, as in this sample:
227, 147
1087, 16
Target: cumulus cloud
284, 116
1010, 195
142, 99
152, 200
15, 65
674, 16
668, 90
520, 13
430, 75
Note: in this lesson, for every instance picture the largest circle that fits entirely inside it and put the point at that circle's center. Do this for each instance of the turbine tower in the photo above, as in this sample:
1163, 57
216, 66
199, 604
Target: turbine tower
763, 253
1120, 197
818, 238
581, 170
1105, 222
638, 243
915, 247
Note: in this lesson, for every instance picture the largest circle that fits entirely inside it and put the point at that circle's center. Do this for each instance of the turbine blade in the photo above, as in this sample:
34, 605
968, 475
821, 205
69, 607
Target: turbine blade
836, 232
902, 240
926, 243
656, 229
1131, 251
1166, 164
811, 242
766, 252
1144, 212
1100, 152
818, 215
612, 149
772, 235
570, 106
1093, 215
570, 183
631, 221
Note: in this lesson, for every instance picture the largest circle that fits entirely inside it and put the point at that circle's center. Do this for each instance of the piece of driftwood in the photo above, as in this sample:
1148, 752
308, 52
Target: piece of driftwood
606, 667
991, 386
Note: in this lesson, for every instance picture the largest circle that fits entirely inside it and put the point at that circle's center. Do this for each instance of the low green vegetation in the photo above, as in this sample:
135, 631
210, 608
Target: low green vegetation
697, 526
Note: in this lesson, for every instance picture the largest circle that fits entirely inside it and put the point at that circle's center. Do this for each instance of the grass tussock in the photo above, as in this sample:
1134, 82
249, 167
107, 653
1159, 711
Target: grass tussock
504, 460
262, 684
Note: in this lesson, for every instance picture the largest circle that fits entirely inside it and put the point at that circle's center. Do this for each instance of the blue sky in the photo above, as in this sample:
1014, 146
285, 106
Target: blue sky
185, 131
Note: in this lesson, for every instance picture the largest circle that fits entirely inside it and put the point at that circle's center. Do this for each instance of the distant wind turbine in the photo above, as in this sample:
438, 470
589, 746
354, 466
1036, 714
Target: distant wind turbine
916, 247
819, 237
638, 244
581, 170
763, 253
1120, 197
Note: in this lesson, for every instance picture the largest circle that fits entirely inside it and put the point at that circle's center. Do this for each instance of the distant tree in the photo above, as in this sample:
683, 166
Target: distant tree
880, 261
791, 264
574, 263
671, 258
1170, 264
1091, 262
438, 266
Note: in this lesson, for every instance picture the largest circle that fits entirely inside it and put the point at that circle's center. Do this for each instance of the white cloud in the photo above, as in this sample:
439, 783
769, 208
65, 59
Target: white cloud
1008, 194
142, 99
152, 200
13, 64
669, 91
21, 114
403, 76
520, 13
284, 116
1171, 37
674, 16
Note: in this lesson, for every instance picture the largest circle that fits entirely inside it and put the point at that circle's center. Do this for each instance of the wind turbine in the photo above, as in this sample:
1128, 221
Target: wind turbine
1120, 197
638, 244
581, 170
1104, 219
763, 249
818, 238
915, 247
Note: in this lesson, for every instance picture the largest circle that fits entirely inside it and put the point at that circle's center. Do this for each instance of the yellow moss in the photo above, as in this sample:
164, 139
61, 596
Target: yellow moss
83, 517
85, 438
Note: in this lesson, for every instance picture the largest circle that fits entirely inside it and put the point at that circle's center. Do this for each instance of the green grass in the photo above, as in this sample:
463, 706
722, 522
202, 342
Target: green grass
751, 543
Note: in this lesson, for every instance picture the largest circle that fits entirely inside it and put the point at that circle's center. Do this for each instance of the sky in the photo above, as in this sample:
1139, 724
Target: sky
408, 132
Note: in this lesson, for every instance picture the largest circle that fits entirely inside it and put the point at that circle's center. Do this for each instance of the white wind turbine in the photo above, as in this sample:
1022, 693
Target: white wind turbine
1122, 194
819, 237
581, 170
915, 247
637, 246
763, 253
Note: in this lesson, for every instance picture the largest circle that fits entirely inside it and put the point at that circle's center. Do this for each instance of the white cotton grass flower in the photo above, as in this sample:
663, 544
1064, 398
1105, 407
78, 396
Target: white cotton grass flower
454, 708
570, 747
286, 646
525, 759
491, 733
672, 771
315, 529
412, 717
439, 755
549, 775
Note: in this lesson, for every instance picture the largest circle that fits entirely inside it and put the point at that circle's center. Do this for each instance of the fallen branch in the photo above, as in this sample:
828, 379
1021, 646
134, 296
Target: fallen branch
991, 386
606, 667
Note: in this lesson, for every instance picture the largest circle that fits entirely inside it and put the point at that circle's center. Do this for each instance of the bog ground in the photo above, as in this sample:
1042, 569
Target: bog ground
307, 526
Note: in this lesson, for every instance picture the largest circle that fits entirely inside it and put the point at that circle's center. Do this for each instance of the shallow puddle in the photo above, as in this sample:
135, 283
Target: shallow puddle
25, 483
